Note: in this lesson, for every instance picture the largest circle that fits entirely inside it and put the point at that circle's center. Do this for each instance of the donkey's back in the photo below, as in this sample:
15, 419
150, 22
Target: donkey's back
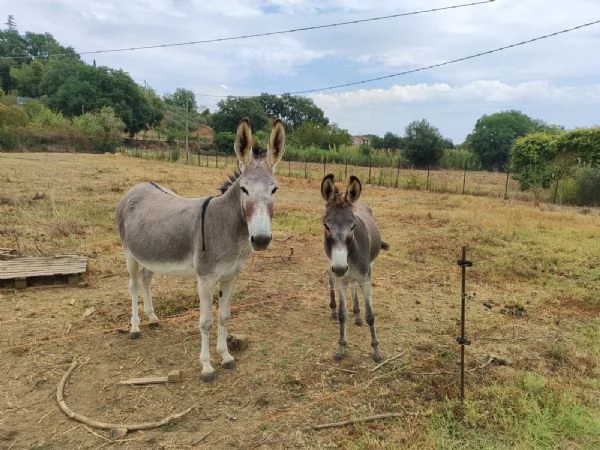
372, 236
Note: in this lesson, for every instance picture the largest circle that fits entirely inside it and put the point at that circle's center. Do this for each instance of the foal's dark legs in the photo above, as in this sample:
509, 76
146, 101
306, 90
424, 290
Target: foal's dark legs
342, 319
370, 317
355, 305
334, 314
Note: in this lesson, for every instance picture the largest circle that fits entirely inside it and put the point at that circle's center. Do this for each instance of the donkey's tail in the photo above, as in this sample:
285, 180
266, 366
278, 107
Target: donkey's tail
385, 246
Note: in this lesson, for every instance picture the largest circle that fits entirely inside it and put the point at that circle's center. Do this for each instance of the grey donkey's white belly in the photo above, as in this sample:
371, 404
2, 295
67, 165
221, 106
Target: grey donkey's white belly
225, 269
174, 268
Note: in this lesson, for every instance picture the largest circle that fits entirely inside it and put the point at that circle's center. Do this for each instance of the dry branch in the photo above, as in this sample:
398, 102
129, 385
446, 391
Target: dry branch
357, 420
173, 377
387, 361
107, 426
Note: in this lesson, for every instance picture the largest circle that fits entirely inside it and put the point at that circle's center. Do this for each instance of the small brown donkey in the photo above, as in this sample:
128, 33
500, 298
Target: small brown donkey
209, 238
352, 242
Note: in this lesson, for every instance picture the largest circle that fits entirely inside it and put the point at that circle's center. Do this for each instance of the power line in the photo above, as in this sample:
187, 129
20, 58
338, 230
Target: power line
269, 33
420, 69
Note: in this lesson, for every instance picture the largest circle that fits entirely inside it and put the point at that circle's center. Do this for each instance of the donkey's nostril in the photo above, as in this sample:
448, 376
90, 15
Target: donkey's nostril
339, 270
260, 242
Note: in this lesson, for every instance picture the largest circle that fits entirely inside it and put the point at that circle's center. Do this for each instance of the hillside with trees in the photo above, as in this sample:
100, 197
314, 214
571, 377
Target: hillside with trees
52, 100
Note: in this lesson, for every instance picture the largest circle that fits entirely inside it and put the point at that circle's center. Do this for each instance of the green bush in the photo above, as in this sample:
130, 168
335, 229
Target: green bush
9, 138
458, 158
104, 129
224, 141
587, 186
532, 160
13, 116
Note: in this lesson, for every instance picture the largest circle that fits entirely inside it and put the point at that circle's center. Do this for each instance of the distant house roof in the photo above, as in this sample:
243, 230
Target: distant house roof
360, 140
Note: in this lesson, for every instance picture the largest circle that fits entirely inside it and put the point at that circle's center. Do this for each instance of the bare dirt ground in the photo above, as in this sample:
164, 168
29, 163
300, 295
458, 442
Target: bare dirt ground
286, 380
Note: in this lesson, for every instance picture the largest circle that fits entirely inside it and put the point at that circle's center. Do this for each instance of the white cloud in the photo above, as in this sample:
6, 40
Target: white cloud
454, 109
491, 91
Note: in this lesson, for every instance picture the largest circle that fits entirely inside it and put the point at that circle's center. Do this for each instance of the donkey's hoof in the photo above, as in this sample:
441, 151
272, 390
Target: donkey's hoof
231, 365
134, 334
208, 377
339, 356
358, 321
154, 324
377, 357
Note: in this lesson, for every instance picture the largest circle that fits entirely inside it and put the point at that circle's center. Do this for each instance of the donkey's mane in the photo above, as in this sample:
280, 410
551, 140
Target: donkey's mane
257, 153
230, 181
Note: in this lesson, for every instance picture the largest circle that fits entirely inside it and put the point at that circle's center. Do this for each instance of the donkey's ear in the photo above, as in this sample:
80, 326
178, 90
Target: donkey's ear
328, 188
354, 189
243, 142
276, 143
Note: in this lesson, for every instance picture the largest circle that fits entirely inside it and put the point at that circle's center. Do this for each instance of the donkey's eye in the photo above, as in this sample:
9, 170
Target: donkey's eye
326, 228
274, 190
352, 228
244, 190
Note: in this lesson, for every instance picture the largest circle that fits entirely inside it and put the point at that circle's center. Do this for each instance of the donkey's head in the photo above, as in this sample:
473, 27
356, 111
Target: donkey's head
257, 182
339, 221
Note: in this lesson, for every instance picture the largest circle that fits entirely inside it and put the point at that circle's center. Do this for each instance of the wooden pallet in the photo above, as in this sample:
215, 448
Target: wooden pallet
24, 271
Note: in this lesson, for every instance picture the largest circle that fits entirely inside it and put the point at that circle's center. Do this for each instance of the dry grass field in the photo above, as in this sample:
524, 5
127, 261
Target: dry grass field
533, 300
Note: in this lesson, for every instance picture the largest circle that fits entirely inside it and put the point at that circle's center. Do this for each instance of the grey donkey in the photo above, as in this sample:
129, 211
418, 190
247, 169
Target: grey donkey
352, 242
208, 237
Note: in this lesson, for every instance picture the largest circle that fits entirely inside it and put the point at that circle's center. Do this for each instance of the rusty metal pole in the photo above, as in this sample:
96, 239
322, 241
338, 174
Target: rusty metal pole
462, 340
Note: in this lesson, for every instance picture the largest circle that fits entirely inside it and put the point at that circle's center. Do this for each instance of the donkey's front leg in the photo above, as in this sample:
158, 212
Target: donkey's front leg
225, 292
355, 305
205, 289
334, 315
370, 316
342, 319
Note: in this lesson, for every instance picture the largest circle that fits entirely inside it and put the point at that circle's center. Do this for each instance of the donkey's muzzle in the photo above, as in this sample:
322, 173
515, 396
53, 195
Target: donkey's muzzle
260, 242
339, 271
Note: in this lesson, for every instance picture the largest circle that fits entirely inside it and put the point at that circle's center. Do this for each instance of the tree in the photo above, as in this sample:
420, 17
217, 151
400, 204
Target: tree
233, 109
27, 78
322, 136
392, 141
375, 141
74, 88
423, 144
494, 135
42, 46
11, 24
182, 98
292, 110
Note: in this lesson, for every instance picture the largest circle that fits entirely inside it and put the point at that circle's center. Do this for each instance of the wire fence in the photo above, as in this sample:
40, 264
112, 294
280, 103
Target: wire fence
462, 182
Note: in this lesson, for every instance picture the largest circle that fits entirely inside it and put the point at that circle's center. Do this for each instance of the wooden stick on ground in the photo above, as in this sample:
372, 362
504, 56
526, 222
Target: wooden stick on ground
387, 361
357, 420
107, 426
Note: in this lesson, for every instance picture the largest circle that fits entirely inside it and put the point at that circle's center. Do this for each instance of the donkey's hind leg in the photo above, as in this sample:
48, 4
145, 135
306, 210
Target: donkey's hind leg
146, 277
334, 314
355, 306
133, 267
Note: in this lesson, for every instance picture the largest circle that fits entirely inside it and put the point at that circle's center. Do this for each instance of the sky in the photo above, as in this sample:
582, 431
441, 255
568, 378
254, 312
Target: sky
556, 79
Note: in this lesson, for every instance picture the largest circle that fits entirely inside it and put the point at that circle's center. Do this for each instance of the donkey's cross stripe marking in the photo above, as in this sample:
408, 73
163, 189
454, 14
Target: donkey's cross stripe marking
202, 218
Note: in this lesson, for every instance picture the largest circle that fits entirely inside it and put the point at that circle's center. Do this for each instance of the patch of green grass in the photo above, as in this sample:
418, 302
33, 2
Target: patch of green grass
529, 413
293, 222
168, 427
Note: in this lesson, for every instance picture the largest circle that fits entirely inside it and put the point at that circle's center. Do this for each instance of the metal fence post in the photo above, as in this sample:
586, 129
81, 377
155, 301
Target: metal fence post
462, 340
